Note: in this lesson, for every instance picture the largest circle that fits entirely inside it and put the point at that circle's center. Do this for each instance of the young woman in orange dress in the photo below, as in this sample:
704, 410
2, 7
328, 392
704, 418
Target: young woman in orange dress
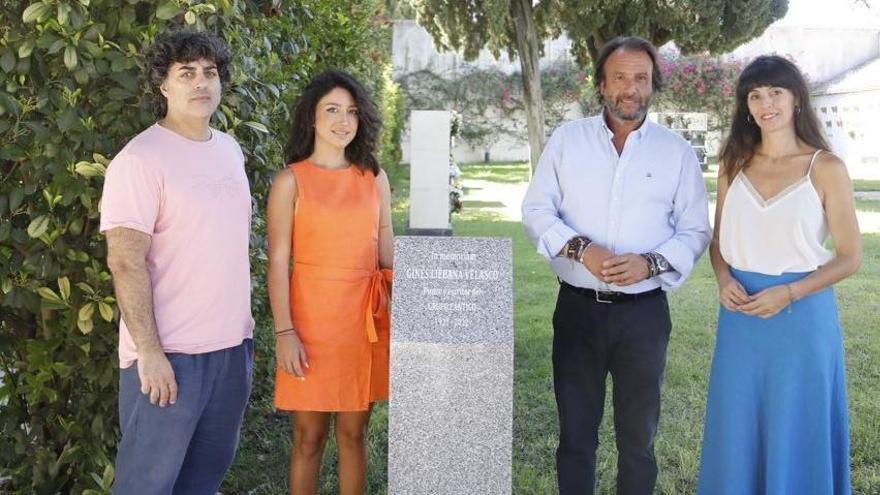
330, 257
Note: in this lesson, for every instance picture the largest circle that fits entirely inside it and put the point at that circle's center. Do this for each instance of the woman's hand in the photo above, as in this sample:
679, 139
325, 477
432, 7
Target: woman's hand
732, 295
768, 302
290, 354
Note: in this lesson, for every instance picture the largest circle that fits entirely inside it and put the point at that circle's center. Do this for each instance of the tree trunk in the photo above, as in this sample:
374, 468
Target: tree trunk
594, 44
527, 48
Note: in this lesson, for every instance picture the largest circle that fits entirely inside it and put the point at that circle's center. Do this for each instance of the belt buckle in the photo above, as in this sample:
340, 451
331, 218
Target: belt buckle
599, 297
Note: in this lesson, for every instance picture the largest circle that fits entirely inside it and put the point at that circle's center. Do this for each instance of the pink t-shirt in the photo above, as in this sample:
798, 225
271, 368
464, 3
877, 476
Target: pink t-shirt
193, 198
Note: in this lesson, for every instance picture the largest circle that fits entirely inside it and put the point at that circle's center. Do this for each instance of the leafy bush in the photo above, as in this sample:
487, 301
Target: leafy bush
700, 83
70, 97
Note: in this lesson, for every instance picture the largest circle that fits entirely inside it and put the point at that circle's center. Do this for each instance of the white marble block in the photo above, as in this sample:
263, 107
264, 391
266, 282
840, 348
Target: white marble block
429, 170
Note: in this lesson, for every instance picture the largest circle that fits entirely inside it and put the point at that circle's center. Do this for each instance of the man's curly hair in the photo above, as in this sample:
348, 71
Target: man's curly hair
183, 46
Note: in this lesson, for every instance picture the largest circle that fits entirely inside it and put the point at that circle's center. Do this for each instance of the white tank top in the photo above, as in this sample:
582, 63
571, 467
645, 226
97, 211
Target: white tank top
785, 233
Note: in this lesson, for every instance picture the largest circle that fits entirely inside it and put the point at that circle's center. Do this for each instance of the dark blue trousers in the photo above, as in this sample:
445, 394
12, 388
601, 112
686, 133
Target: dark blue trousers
590, 340
184, 448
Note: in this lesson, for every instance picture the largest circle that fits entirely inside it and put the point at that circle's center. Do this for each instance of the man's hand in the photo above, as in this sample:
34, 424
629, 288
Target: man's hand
157, 377
593, 258
625, 269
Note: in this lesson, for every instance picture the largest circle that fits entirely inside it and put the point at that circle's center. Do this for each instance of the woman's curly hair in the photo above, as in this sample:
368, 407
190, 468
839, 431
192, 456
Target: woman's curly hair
301, 140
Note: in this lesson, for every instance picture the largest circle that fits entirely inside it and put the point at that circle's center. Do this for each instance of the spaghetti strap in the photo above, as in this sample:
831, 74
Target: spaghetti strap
812, 161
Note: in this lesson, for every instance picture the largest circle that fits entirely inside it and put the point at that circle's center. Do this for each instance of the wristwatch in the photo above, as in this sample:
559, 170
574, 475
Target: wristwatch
662, 264
575, 247
657, 264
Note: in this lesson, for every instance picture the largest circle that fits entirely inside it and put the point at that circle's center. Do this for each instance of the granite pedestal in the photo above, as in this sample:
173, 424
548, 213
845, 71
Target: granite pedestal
451, 407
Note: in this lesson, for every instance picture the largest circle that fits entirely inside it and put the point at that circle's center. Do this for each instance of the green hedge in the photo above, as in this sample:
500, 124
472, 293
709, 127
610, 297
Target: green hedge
71, 95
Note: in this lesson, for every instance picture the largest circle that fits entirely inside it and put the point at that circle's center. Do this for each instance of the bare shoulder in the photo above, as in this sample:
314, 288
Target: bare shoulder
382, 181
382, 177
829, 169
284, 180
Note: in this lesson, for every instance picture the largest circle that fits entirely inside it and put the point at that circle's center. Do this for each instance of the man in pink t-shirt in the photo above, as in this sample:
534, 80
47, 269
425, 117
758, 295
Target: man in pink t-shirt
176, 212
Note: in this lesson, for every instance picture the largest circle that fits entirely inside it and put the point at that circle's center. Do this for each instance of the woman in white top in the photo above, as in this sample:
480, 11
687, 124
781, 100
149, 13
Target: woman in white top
776, 417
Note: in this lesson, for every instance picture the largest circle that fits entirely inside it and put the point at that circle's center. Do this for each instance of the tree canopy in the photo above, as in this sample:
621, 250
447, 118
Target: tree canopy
519, 28
694, 25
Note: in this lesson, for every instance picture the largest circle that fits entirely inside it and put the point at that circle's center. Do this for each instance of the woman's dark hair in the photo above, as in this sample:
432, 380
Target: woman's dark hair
629, 43
183, 46
361, 150
745, 135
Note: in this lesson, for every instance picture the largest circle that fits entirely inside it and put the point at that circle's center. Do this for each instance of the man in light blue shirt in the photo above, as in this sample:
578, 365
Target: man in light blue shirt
618, 207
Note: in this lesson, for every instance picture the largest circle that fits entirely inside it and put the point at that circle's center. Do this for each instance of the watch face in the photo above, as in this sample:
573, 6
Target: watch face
662, 263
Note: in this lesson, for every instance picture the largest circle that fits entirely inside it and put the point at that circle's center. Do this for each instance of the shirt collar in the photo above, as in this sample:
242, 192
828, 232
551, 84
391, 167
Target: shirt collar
639, 133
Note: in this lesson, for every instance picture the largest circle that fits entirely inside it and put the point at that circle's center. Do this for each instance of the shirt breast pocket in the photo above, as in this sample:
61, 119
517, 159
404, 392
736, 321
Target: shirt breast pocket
654, 187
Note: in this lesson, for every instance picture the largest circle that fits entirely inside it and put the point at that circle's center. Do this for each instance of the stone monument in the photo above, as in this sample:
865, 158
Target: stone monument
429, 173
451, 405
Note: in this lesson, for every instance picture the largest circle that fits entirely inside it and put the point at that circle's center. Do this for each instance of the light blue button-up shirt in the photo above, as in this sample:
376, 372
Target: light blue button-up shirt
651, 197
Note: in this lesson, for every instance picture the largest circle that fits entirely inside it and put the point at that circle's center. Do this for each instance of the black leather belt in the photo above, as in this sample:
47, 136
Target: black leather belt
611, 296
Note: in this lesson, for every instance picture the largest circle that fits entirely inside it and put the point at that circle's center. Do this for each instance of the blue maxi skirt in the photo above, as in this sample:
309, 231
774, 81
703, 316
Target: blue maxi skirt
776, 417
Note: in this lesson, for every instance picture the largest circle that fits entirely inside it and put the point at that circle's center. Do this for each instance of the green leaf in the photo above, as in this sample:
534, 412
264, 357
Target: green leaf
64, 287
109, 474
99, 158
25, 49
257, 126
87, 169
70, 58
167, 10
87, 311
106, 311
50, 295
7, 60
6, 285
56, 47
15, 199
38, 226
63, 13
85, 326
190, 17
85, 288
34, 12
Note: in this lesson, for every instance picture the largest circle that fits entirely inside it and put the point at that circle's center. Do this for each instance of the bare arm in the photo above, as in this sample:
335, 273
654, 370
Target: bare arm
834, 186
282, 197
731, 294
386, 229
721, 268
290, 353
127, 258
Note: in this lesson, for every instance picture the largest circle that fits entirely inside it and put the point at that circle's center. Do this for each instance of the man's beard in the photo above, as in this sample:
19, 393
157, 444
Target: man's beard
630, 116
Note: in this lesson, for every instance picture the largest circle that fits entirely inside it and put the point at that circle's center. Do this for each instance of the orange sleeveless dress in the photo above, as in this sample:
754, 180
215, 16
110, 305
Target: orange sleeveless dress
338, 294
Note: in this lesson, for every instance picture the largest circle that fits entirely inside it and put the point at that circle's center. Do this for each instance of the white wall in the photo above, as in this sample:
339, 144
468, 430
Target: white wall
821, 54
412, 50
849, 121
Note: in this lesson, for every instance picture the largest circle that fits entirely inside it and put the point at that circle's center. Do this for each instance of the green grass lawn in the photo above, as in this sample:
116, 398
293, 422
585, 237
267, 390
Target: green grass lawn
866, 185
863, 204
261, 466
